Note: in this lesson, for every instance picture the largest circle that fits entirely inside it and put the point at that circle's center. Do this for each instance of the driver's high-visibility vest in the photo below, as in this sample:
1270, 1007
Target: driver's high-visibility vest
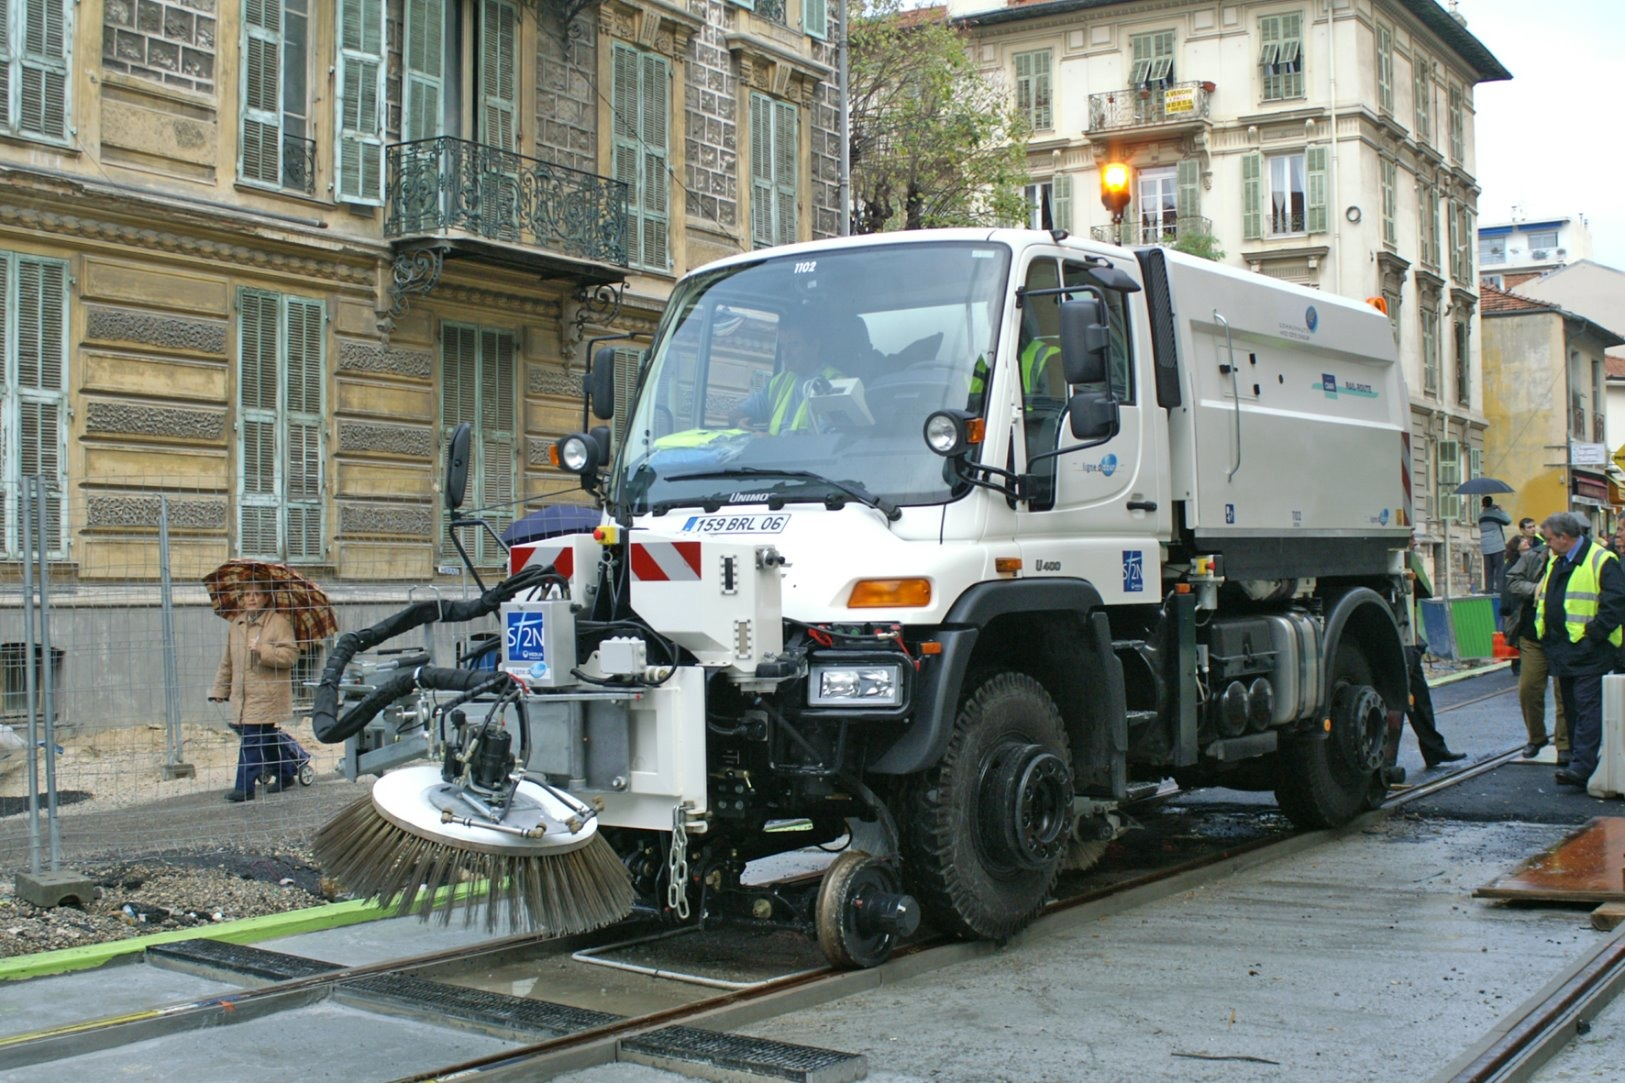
1580, 596
785, 396
1034, 358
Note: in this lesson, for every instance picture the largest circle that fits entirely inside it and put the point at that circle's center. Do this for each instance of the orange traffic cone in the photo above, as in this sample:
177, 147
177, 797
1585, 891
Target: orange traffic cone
1499, 648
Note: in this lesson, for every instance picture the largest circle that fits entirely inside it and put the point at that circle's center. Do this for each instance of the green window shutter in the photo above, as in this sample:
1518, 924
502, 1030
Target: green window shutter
1458, 133
1061, 195
43, 73
6, 61
1141, 47
624, 150
499, 105
424, 61
1188, 189
1385, 68
1390, 202
303, 446
626, 383
259, 153
1452, 214
34, 335
654, 81
761, 170
258, 463
8, 387
815, 17
786, 145
1422, 84
498, 449
1252, 195
1024, 84
1314, 159
360, 151
1043, 111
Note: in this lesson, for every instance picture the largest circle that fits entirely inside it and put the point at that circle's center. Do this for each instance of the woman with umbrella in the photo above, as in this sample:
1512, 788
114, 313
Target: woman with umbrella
255, 676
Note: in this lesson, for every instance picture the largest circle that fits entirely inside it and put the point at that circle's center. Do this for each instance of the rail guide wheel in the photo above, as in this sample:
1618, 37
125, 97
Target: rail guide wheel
862, 912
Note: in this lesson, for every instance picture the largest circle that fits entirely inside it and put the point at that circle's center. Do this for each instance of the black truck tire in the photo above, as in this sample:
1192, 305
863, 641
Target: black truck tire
1325, 778
988, 826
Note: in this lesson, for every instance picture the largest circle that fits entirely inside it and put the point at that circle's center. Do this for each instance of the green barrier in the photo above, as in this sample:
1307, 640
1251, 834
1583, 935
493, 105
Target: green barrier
1473, 619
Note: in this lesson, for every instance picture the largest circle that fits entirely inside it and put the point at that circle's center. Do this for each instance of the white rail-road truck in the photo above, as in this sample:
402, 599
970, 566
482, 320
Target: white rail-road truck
1041, 524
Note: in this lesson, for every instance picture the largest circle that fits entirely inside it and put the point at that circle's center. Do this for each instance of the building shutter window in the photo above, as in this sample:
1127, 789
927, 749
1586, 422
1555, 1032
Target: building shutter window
639, 98
33, 397
478, 369
1252, 195
281, 378
360, 79
1315, 205
815, 17
499, 105
1061, 196
424, 60
37, 65
1188, 190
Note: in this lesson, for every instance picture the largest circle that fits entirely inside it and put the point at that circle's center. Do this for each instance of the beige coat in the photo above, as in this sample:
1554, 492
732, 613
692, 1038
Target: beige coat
258, 680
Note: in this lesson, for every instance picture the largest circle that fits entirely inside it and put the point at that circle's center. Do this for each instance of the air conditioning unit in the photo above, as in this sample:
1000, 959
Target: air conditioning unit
1561, 253
1537, 254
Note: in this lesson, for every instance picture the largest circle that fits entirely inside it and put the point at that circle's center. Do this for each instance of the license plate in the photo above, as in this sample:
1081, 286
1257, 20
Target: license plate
754, 524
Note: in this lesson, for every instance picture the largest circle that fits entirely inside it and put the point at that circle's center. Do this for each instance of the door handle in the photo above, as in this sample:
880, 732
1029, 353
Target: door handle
1149, 507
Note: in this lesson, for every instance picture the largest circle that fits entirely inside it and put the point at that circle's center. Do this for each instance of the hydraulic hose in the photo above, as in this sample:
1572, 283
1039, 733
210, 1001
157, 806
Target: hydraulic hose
324, 719
429, 679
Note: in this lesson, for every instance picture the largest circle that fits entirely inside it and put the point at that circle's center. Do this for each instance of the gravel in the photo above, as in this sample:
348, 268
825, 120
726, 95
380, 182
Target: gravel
143, 896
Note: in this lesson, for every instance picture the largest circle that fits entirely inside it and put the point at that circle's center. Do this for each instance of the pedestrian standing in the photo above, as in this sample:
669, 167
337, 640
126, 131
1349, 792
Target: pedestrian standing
1492, 542
1579, 606
1518, 624
1420, 714
256, 677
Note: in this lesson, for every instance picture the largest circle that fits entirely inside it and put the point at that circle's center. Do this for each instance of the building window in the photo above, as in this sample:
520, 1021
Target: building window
1040, 205
1158, 204
1392, 298
1464, 392
1033, 96
1284, 194
1458, 127
1430, 349
1542, 239
1153, 58
1385, 68
1390, 202
438, 81
640, 96
1422, 77
280, 384
815, 18
274, 148
1492, 250
1427, 216
478, 386
1281, 57
1447, 477
36, 55
774, 140
359, 78
1461, 260
33, 397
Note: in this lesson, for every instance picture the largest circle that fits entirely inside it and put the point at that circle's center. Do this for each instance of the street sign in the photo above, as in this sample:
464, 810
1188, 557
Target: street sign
1588, 453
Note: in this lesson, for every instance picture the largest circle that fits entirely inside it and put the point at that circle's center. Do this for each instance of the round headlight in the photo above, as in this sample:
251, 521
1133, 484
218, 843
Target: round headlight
576, 454
945, 433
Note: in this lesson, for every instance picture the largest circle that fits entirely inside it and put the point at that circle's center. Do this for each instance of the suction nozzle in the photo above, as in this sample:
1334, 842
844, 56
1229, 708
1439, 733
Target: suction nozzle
417, 836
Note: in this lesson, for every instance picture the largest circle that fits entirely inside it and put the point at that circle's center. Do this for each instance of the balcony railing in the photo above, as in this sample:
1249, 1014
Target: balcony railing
443, 184
773, 10
1139, 107
1152, 231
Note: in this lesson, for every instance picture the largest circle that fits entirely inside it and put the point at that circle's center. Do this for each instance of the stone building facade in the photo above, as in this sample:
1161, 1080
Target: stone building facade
260, 256
1328, 142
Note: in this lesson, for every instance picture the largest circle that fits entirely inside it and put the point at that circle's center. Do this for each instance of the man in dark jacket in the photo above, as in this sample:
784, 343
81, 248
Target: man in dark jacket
1579, 607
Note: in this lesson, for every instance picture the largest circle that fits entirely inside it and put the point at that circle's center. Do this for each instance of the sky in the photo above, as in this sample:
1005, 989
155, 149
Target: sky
1550, 139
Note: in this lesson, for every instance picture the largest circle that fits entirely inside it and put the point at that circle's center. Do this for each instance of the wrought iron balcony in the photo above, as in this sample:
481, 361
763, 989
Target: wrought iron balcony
1149, 106
451, 188
1150, 231
773, 11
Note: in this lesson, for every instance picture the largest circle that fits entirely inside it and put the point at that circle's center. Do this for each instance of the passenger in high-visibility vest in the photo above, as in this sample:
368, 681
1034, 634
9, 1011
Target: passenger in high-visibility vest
1033, 361
780, 406
1579, 607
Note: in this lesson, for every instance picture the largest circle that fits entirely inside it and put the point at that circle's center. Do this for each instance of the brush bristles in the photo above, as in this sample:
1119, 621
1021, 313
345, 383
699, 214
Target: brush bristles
557, 893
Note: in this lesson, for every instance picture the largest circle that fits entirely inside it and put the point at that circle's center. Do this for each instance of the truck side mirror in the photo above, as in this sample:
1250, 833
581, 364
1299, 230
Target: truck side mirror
457, 466
1094, 416
601, 383
1084, 341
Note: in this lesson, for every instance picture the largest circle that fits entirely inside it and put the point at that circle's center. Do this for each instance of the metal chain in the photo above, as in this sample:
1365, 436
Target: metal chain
677, 888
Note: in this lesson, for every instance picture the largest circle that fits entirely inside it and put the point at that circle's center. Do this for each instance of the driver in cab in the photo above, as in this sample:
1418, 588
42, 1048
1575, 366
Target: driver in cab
780, 406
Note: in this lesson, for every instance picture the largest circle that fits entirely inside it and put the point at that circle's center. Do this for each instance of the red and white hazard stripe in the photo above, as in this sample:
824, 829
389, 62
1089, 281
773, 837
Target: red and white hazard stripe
561, 556
666, 561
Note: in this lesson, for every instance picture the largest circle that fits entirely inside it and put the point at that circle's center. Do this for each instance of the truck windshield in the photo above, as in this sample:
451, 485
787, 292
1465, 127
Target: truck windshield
823, 363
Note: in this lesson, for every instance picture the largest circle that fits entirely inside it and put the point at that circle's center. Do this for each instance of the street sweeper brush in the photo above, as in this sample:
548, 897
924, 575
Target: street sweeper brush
543, 864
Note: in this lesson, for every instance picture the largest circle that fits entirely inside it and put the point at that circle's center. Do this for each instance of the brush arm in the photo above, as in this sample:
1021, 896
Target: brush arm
324, 719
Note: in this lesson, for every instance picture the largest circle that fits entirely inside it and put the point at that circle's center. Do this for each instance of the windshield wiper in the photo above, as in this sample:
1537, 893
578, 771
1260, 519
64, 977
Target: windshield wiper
867, 497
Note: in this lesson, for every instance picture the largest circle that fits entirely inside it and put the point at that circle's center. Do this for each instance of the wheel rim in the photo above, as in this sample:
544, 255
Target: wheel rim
1359, 727
1027, 805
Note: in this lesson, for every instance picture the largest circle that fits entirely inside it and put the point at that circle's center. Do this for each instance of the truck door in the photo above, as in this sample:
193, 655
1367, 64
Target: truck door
1098, 506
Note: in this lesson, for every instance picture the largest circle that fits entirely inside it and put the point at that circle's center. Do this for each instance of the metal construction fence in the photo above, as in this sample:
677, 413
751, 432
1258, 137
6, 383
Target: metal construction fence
108, 743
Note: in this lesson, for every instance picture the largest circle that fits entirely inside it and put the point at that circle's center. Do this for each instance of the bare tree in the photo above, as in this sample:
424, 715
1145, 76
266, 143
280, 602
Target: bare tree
934, 142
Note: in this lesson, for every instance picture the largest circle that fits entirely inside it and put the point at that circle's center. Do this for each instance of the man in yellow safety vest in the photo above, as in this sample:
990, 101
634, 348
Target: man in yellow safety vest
1579, 606
780, 406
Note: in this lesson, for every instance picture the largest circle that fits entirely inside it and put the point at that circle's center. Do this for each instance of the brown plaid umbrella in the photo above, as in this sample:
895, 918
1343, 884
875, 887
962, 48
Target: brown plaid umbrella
292, 594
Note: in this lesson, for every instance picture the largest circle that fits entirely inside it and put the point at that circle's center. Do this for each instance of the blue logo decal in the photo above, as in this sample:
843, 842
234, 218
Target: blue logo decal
1328, 384
688, 525
1108, 464
1229, 513
1382, 518
1133, 571
1312, 319
525, 636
